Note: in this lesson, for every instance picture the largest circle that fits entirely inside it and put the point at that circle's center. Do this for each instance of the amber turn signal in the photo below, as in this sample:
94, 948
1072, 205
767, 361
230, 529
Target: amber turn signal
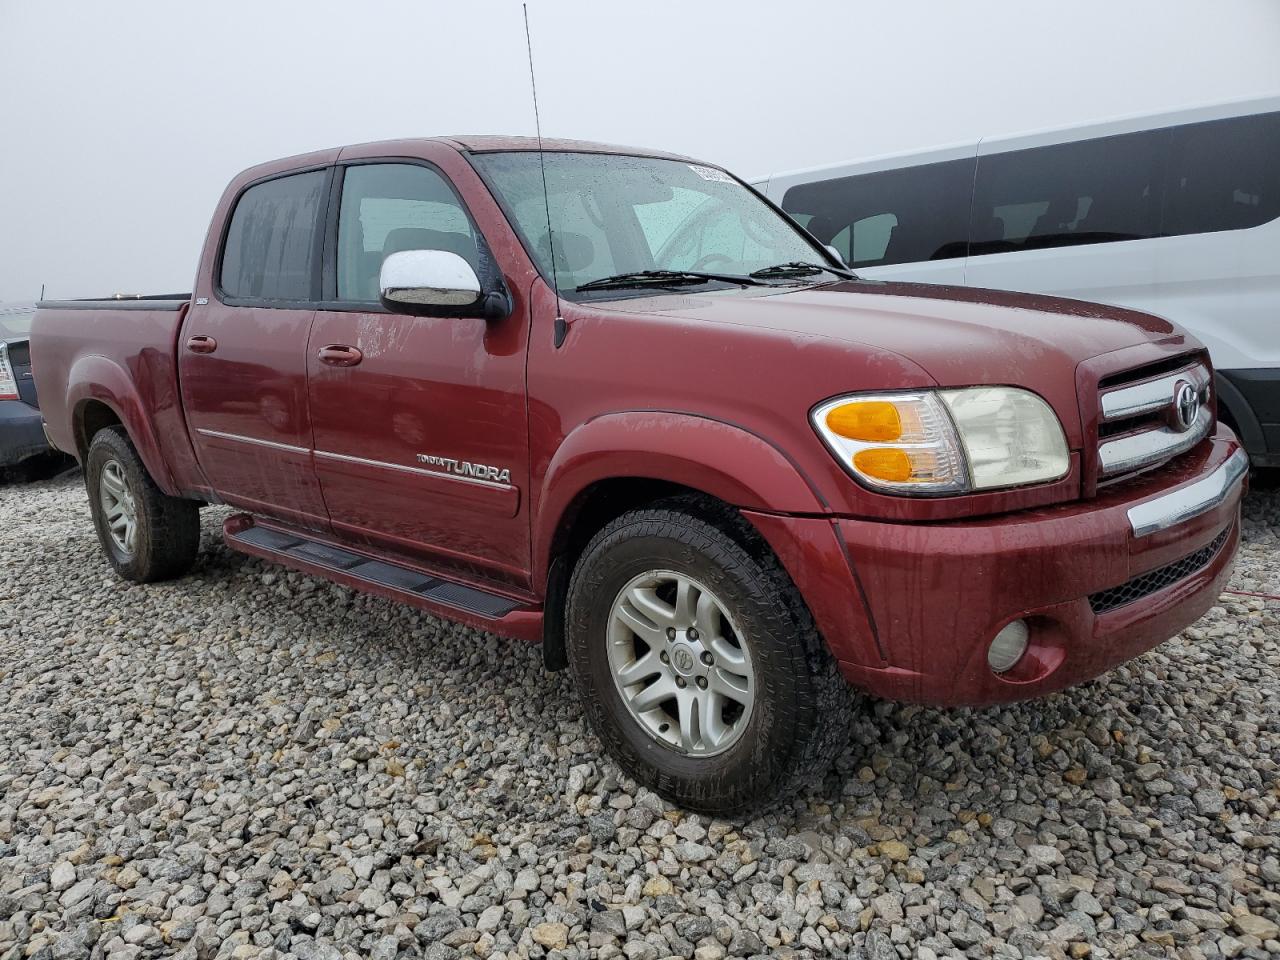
896, 442
874, 421
884, 463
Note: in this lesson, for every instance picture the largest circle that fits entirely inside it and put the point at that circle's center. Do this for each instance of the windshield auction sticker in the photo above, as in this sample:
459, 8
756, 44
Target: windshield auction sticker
711, 173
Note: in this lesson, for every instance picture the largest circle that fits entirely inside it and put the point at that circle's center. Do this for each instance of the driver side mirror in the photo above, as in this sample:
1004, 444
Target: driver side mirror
837, 254
436, 283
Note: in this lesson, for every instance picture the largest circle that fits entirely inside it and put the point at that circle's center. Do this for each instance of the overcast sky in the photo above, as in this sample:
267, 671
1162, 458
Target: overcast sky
121, 122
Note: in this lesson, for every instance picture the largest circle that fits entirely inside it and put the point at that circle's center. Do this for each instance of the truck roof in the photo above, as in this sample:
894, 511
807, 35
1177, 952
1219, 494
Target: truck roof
500, 143
465, 143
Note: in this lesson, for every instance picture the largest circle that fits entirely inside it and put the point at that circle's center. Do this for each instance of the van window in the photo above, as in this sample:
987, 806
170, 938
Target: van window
870, 236
272, 248
1223, 175
390, 207
894, 216
1091, 191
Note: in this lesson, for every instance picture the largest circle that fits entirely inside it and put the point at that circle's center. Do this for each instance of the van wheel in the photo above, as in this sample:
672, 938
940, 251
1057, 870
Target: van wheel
698, 663
146, 534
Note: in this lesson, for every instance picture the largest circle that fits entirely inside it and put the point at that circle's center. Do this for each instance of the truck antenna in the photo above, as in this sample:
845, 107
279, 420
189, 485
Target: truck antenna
561, 327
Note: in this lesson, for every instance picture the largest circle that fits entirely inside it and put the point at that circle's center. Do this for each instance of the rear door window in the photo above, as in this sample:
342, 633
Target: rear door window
272, 249
894, 216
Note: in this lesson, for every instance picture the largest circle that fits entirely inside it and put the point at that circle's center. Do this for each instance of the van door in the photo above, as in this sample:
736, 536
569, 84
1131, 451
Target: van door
241, 353
1070, 219
421, 436
1218, 262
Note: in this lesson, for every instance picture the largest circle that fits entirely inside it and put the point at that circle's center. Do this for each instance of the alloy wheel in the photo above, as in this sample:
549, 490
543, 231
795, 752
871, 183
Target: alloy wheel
680, 664
118, 507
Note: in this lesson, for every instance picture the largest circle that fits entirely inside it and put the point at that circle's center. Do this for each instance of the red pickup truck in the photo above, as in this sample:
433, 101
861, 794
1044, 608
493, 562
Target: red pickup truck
615, 401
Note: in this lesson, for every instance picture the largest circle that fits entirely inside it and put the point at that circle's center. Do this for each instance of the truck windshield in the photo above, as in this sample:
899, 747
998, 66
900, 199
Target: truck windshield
620, 216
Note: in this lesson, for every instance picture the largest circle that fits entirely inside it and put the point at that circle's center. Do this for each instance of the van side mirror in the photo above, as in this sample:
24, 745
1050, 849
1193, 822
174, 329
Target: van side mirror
836, 253
430, 283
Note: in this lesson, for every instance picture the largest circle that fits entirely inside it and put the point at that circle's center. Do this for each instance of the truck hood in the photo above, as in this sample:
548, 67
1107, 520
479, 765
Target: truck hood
957, 335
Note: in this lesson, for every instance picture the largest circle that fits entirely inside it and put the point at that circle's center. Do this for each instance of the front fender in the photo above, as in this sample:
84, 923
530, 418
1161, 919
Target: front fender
98, 378
718, 458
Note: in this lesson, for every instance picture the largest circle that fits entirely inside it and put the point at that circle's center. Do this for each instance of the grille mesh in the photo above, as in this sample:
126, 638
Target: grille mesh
1167, 576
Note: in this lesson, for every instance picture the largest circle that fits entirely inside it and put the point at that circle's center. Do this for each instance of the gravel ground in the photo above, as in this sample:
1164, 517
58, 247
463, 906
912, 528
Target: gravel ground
253, 763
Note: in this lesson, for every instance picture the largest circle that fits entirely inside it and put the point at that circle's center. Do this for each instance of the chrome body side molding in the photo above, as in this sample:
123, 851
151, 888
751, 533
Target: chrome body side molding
257, 441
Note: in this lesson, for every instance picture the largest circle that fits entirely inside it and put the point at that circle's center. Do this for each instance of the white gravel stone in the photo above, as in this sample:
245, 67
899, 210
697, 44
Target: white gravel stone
63, 876
250, 763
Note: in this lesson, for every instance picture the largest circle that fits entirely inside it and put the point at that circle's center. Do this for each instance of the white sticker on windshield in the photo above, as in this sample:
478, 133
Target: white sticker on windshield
711, 173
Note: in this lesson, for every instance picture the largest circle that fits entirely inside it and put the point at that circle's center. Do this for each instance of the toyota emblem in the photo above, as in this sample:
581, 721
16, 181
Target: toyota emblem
1186, 404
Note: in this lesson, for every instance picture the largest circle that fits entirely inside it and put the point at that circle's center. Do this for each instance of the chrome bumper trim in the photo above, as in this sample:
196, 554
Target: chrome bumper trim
1189, 501
44, 428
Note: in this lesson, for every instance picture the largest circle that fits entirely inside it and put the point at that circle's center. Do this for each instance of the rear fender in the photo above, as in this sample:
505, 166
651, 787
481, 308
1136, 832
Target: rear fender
717, 458
98, 378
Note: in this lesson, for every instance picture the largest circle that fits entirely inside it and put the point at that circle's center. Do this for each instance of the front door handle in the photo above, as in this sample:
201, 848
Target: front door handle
201, 344
340, 355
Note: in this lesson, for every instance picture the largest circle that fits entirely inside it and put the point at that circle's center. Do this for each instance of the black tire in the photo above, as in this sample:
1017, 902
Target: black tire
801, 715
167, 537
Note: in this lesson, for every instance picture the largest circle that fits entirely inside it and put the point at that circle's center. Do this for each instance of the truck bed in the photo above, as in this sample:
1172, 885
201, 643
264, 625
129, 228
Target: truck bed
150, 301
128, 348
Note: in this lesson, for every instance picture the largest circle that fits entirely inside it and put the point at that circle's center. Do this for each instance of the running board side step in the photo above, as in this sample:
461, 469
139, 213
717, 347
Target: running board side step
446, 598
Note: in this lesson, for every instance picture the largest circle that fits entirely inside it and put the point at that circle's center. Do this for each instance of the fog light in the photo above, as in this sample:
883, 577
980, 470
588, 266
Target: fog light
1008, 646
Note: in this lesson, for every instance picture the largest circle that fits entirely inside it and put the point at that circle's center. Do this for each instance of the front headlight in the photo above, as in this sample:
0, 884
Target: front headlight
948, 441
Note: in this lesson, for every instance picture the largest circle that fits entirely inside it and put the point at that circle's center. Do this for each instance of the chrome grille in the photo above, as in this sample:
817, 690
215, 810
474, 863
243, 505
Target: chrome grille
1148, 420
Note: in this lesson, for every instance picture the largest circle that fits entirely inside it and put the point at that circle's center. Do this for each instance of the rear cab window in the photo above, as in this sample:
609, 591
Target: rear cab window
272, 246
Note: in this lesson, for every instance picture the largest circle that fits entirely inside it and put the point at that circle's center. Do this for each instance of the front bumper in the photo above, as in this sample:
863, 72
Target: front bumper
21, 435
934, 595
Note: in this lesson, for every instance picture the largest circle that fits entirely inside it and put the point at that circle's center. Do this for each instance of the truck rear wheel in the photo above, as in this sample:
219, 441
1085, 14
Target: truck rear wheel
146, 534
698, 663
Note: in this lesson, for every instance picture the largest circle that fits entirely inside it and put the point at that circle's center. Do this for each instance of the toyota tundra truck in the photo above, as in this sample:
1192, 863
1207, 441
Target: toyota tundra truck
616, 402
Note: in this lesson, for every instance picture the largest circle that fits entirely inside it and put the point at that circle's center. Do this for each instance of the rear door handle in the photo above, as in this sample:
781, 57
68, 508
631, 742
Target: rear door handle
201, 344
340, 355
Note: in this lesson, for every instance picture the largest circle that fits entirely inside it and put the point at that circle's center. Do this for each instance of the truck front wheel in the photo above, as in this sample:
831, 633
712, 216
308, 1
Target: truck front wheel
146, 534
698, 663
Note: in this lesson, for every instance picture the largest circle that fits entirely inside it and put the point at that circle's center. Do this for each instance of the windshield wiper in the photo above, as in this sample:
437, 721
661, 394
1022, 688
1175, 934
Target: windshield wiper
800, 268
664, 278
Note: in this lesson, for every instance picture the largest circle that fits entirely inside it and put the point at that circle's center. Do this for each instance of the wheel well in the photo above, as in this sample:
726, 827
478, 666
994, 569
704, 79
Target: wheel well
589, 512
1226, 416
92, 416
1235, 412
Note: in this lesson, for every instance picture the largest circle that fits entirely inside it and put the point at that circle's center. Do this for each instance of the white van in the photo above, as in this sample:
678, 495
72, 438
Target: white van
1176, 214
